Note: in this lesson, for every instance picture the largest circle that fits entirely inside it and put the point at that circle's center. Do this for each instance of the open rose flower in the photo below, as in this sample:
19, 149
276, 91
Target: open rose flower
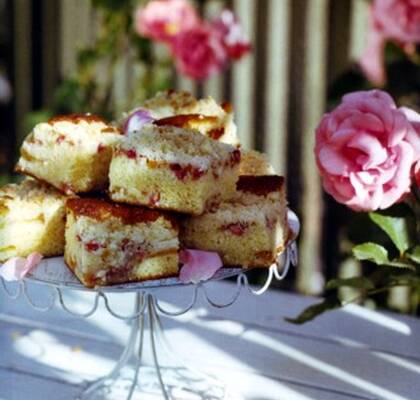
198, 52
231, 34
396, 20
365, 150
162, 20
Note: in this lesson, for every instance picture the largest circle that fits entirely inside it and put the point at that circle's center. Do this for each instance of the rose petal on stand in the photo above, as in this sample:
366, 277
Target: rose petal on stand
17, 268
198, 265
12, 269
32, 261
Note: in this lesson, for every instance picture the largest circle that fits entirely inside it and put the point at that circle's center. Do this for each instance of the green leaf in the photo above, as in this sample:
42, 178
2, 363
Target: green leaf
372, 252
397, 228
111, 5
330, 303
414, 254
360, 282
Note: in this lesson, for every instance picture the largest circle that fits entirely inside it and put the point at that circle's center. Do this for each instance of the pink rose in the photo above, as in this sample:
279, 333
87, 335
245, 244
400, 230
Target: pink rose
397, 20
414, 119
231, 35
162, 20
365, 149
198, 52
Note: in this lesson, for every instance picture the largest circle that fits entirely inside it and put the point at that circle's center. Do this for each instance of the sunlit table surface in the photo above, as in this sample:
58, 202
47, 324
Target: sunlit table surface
352, 353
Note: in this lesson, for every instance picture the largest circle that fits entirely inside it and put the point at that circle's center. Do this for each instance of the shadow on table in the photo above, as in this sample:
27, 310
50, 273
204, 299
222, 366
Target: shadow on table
245, 344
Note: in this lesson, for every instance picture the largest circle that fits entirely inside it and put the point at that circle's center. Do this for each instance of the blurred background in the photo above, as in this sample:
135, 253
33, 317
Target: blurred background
59, 56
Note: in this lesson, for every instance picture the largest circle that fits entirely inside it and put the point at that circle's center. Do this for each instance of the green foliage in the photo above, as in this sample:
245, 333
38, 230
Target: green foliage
414, 254
399, 226
329, 303
399, 229
372, 252
360, 282
111, 5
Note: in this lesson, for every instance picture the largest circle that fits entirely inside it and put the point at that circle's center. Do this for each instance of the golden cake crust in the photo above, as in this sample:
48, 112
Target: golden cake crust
32, 219
260, 185
101, 209
70, 152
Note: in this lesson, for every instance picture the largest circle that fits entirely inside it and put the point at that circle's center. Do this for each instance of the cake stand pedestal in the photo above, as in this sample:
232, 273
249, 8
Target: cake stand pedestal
148, 367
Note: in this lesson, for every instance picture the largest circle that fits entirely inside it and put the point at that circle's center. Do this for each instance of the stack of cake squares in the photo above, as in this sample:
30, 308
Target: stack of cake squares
120, 207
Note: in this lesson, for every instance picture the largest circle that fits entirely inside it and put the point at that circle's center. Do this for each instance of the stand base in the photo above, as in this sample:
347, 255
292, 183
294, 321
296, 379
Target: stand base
178, 385
165, 377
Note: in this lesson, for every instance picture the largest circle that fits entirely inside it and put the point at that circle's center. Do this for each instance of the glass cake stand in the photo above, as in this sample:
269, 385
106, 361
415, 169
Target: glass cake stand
148, 367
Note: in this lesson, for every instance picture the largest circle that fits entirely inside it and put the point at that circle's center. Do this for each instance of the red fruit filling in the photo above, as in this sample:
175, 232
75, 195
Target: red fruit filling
60, 139
131, 153
182, 172
270, 222
235, 157
92, 246
237, 228
154, 199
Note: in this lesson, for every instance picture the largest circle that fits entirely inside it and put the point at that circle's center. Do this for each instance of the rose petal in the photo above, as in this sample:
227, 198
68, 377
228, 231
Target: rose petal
371, 146
332, 161
136, 120
13, 269
33, 260
198, 265
17, 268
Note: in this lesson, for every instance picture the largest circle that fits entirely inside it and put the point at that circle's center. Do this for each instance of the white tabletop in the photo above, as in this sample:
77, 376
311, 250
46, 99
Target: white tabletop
352, 353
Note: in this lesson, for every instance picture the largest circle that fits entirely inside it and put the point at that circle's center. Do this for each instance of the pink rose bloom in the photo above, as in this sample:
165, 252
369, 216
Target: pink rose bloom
365, 150
198, 52
162, 20
231, 35
397, 20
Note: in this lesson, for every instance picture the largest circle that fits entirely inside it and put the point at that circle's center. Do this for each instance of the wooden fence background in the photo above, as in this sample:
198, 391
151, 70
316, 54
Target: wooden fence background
279, 92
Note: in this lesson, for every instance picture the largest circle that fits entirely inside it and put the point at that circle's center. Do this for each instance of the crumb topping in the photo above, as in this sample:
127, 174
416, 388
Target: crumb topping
179, 146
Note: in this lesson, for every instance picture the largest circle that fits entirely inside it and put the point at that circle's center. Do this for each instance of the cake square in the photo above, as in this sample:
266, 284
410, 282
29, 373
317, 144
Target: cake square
32, 219
109, 243
70, 152
254, 163
170, 168
205, 115
248, 231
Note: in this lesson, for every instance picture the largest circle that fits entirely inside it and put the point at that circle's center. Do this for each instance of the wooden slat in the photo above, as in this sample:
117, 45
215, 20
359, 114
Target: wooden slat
312, 105
49, 55
339, 38
22, 62
214, 86
277, 76
77, 28
243, 76
358, 27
